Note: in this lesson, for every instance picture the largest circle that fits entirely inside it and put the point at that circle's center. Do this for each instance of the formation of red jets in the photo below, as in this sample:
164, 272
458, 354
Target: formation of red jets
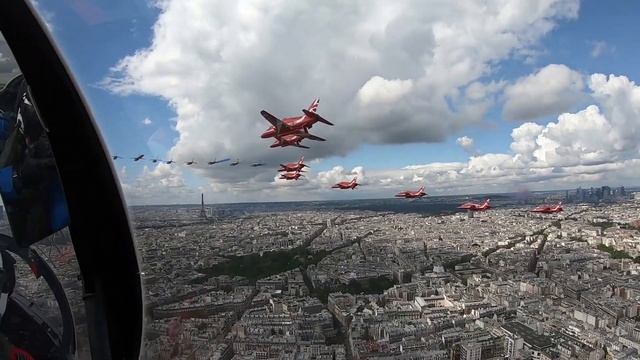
544, 209
292, 171
292, 130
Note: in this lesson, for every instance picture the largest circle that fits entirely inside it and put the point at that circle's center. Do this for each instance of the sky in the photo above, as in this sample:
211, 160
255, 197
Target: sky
461, 97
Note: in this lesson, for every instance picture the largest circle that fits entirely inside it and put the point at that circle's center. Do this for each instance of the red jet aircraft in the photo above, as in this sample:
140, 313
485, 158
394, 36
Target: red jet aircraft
293, 129
346, 184
476, 207
547, 209
296, 166
412, 194
291, 175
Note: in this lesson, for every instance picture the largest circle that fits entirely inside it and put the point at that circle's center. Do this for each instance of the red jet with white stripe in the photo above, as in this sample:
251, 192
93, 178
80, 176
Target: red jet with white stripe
412, 194
476, 207
296, 166
547, 209
291, 175
290, 131
346, 184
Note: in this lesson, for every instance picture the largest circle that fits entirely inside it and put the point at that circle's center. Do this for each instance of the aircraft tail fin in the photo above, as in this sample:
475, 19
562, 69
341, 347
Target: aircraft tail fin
314, 105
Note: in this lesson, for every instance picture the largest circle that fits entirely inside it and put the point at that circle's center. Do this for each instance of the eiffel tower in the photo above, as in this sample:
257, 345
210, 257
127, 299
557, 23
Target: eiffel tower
203, 214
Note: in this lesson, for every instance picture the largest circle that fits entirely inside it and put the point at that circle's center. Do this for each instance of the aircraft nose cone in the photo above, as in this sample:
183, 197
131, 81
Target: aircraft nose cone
268, 134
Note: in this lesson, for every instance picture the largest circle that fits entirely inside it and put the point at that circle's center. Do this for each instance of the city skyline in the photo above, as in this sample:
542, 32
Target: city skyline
630, 189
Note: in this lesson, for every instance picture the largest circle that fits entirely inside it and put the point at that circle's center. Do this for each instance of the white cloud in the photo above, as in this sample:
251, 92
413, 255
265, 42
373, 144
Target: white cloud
146, 121
580, 138
381, 91
552, 90
337, 174
165, 175
479, 91
598, 144
598, 48
619, 98
386, 71
163, 184
436, 167
467, 144
122, 174
524, 139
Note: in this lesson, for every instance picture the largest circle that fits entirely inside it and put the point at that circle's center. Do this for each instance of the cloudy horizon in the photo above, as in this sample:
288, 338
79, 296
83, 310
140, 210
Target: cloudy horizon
461, 98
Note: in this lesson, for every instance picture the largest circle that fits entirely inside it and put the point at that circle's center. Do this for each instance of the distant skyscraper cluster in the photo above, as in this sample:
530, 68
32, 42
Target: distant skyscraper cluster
596, 194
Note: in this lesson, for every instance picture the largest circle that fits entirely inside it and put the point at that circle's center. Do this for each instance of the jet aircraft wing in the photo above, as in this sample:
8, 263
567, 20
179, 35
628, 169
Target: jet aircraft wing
311, 137
277, 123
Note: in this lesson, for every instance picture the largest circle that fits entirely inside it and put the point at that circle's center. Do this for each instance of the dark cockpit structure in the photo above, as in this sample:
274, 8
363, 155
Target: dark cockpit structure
69, 276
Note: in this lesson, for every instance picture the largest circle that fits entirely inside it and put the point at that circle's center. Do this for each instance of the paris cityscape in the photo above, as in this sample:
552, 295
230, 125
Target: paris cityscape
244, 282
365, 284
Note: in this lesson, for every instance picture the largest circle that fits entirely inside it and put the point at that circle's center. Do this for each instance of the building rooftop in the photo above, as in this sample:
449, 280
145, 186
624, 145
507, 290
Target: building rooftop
529, 335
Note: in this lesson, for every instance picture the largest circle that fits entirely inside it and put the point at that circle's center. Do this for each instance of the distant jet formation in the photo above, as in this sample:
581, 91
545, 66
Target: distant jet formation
291, 175
290, 131
476, 207
296, 166
215, 161
412, 194
548, 209
346, 184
